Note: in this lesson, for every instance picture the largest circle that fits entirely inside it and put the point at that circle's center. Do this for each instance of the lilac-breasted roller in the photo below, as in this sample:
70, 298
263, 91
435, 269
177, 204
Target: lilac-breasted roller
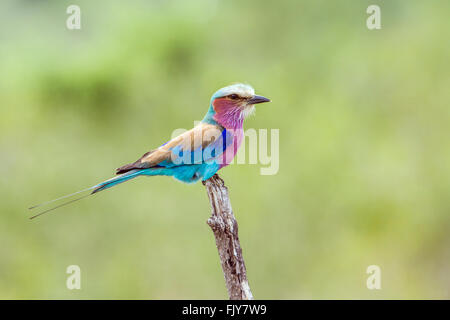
195, 154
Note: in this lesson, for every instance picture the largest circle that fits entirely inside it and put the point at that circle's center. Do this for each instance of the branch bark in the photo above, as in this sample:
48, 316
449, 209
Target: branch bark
225, 229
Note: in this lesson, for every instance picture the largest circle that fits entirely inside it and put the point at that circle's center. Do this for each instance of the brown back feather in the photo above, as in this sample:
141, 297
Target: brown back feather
186, 140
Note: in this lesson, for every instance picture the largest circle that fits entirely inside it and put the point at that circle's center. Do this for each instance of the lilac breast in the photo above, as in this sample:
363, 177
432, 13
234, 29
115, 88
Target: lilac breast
230, 152
229, 115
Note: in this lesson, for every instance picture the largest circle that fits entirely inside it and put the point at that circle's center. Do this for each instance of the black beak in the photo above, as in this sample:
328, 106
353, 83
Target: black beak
257, 99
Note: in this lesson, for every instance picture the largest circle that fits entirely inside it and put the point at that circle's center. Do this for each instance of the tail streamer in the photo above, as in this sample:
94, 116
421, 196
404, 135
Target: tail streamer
59, 206
97, 188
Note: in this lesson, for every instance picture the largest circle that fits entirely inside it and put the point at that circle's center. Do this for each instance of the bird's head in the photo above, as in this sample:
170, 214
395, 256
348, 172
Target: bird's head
231, 105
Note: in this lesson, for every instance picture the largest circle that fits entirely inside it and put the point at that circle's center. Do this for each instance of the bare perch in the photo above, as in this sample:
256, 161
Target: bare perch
225, 228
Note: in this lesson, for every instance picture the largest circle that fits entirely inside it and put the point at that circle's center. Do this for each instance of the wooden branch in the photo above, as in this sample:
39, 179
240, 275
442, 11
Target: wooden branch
225, 228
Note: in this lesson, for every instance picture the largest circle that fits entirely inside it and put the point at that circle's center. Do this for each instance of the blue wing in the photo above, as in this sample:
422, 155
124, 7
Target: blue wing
202, 144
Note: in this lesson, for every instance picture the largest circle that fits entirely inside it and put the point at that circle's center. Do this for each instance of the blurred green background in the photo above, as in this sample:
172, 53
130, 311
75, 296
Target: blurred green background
364, 172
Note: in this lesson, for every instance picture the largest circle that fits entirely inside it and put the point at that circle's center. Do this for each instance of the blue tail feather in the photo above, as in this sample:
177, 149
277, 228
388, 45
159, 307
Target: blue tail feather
117, 180
97, 188
187, 173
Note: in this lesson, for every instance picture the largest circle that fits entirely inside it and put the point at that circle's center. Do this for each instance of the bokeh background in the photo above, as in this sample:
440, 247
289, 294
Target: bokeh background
364, 173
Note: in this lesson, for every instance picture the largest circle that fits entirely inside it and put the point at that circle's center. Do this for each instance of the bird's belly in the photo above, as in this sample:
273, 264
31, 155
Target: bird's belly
194, 172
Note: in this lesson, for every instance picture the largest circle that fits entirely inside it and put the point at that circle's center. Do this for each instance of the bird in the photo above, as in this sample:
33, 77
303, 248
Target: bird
194, 155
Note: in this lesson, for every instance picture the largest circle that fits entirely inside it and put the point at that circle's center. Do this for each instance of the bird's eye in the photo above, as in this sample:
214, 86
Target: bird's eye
234, 96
